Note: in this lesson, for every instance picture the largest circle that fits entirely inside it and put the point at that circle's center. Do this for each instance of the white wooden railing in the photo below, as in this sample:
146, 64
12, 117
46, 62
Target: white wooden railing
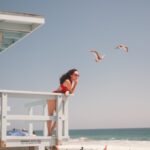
40, 98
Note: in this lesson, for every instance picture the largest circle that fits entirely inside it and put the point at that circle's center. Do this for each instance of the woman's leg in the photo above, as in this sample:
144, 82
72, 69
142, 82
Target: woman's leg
51, 110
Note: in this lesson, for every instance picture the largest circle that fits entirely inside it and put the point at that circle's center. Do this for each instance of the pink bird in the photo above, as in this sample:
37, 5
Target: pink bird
123, 47
98, 56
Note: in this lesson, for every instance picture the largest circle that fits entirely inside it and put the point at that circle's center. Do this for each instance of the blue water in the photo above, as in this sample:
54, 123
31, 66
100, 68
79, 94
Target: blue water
137, 134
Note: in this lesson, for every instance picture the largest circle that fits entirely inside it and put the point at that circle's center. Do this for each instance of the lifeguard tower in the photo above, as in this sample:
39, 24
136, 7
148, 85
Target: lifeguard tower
13, 28
16, 26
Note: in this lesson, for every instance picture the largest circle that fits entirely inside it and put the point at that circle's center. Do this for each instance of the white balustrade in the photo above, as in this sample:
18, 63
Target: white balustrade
40, 142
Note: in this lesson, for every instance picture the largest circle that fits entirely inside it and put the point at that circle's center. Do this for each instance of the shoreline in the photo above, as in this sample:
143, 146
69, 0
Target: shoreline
99, 145
111, 144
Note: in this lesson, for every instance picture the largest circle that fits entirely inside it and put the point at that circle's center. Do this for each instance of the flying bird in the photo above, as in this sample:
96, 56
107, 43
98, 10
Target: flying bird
123, 47
98, 56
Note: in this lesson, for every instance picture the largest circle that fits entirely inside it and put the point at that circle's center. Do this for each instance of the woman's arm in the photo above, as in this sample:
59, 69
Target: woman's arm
70, 86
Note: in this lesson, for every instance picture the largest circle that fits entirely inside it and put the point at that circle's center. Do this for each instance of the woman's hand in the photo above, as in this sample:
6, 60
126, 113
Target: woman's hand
75, 81
67, 93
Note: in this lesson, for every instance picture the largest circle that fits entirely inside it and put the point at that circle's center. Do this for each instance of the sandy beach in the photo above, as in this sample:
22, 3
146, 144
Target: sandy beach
15, 148
111, 145
98, 145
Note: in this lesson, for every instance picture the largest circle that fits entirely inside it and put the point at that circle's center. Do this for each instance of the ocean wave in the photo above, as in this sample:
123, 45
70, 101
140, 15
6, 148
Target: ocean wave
107, 142
108, 139
133, 134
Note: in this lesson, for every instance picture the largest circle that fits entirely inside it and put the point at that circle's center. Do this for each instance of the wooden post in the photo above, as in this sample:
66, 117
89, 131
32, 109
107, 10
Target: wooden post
3, 117
31, 123
59, 118
65, 122
45, 111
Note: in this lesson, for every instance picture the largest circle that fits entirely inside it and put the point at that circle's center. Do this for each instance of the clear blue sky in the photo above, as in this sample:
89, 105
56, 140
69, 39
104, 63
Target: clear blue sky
112, 94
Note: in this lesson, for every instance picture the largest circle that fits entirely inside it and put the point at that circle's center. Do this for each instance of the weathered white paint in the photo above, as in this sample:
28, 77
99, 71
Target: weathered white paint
21, 17
40, 142
16, 26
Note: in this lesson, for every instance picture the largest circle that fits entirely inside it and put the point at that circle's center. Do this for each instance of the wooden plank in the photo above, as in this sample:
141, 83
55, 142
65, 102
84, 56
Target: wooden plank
30, 118
21, 17
3, 116
59, 118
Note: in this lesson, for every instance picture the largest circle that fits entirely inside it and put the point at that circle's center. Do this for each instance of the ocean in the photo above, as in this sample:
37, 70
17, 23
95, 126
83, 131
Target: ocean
110, 139
130, 134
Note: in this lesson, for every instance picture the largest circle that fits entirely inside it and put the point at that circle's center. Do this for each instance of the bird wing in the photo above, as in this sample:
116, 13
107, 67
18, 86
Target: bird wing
96, 54
124, 47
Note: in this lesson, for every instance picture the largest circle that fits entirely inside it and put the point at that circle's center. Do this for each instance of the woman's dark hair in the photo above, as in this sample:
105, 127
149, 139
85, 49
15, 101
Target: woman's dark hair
67, 75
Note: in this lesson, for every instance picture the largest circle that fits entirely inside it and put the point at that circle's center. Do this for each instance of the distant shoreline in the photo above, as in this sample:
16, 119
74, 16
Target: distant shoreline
131, 134
109, 128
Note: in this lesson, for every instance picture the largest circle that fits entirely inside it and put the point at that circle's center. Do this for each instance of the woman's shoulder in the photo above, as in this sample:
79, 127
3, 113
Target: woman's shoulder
67, 81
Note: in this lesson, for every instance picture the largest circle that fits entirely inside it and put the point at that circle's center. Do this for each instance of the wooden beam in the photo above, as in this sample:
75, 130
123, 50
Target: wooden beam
15, 27
21, 17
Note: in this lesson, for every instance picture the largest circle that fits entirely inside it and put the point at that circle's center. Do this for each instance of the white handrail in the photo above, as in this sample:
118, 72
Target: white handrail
61, 118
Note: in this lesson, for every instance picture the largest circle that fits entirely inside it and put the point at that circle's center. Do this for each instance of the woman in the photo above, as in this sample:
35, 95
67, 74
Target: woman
68, 83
